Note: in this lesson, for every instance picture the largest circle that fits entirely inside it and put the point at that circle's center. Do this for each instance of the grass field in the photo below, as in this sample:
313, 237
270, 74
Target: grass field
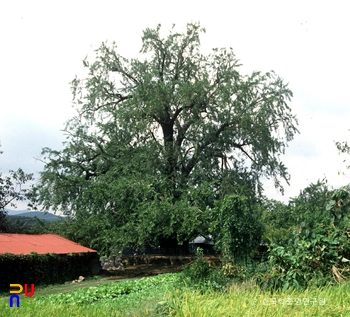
164, 295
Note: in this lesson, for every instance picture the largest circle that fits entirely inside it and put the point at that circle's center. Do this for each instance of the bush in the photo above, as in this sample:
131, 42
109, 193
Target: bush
204, 275
314, 256
233, 271
309, 260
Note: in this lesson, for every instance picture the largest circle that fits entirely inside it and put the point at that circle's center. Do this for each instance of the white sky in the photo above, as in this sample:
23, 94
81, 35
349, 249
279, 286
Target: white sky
307, 43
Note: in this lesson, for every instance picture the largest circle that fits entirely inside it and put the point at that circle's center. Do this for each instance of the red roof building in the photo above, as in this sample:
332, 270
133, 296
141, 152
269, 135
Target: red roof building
39, 243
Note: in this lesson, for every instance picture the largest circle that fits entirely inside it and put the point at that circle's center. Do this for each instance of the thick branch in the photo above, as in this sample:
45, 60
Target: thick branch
181, 132
194, 159
210, 140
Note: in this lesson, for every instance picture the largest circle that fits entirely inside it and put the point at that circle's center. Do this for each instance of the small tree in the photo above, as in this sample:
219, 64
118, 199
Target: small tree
11, 191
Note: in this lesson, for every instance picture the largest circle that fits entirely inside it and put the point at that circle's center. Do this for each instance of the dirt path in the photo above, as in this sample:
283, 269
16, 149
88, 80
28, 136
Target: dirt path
142, 270
140, 266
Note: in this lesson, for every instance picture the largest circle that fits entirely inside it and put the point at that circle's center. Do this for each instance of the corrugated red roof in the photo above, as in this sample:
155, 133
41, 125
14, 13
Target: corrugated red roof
39, 243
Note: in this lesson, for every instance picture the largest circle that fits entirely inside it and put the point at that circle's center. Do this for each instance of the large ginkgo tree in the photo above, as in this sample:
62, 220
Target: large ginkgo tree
160, 140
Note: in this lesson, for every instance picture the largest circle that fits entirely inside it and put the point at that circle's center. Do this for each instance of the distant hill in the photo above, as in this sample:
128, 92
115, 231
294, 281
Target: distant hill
15, 212
24, 215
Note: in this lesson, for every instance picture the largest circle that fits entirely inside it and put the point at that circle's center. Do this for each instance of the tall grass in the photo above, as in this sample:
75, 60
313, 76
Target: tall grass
250, 301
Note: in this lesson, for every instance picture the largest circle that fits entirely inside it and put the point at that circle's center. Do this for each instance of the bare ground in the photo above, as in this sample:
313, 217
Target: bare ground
149, 266
140, 266
134, 267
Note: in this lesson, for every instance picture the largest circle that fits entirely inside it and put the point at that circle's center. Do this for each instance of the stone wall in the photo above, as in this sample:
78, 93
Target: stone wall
120, 263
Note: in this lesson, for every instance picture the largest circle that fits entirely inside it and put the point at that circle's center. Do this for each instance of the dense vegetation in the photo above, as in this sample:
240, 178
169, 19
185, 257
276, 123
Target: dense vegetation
309, 240
166, 295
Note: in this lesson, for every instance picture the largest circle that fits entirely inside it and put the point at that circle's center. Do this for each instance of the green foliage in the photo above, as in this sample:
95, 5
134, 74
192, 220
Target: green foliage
202, 274
157, 141
199, 270
308, 262
234, 271
109, 291
237, 227
42, 268
27, 225
277, 219
93, 231
307, 209
163, 296
312, 257
339, 206
141, 297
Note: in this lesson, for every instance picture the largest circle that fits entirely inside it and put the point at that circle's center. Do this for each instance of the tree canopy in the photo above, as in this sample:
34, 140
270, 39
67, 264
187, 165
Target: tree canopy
157, 141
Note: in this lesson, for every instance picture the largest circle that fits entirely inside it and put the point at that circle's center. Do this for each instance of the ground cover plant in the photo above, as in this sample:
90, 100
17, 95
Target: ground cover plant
124, 298
110, 290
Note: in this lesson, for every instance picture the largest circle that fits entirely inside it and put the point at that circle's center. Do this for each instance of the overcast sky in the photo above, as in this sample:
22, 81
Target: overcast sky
43, 44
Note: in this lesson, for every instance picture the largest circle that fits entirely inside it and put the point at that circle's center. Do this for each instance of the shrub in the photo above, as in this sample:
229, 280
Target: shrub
313, 257
204, 275
309, 260
233, 270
